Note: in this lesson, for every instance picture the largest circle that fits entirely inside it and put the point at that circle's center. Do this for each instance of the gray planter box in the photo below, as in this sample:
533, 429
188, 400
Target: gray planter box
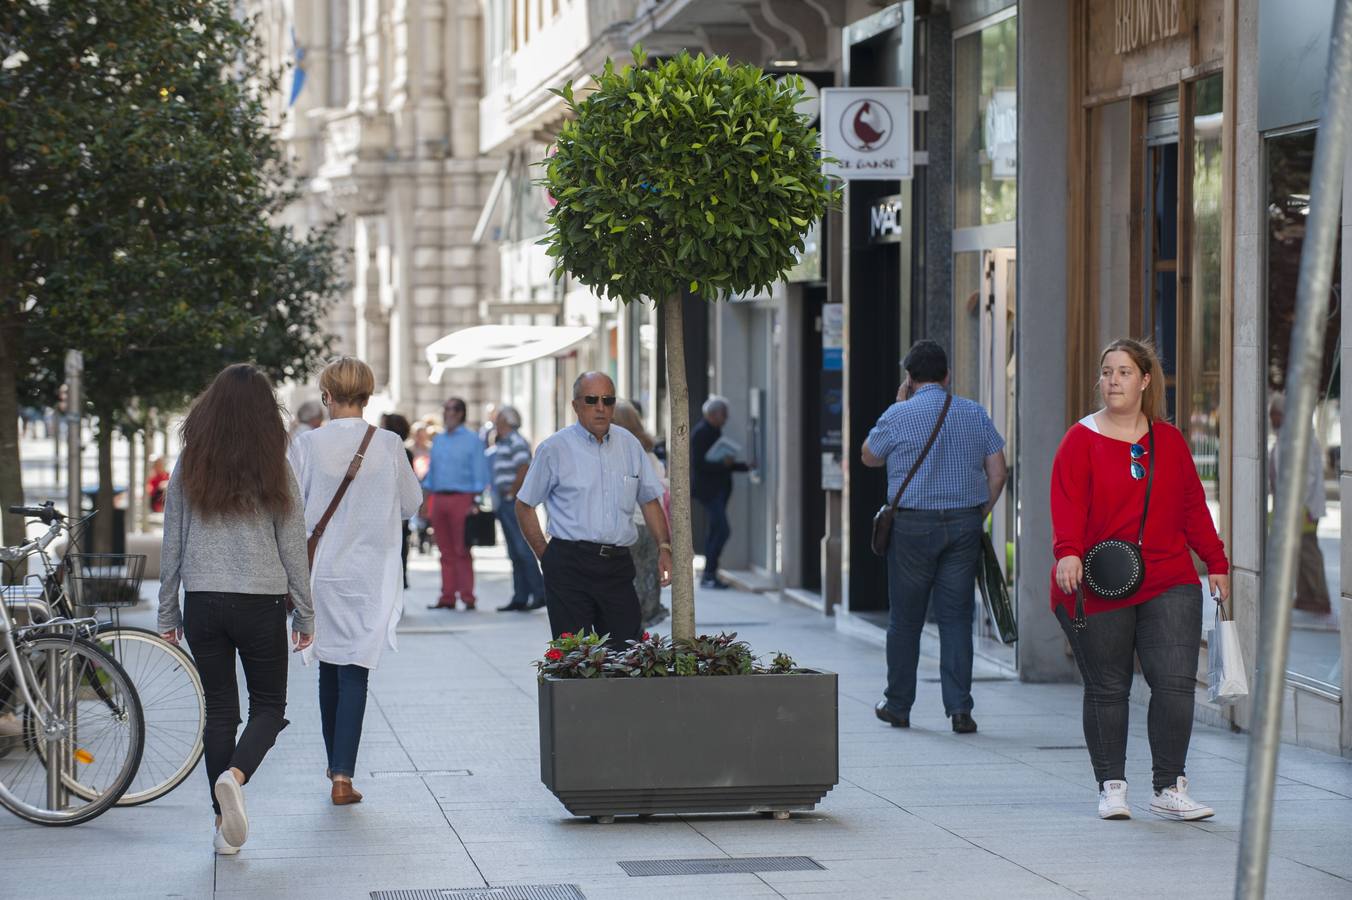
739, 743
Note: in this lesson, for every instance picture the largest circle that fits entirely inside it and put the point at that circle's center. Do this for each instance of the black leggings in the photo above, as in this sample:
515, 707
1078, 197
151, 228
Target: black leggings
1165, 633
217, 625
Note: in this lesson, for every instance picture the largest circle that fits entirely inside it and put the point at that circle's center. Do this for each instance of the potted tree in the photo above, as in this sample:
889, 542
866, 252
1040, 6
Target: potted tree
691, 174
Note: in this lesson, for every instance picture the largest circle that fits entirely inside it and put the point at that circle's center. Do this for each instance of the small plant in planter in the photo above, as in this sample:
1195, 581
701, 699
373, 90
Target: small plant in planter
587, 656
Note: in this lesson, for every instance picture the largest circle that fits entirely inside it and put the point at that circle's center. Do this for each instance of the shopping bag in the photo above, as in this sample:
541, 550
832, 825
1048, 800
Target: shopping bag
990, 578
481, 528
1228, 682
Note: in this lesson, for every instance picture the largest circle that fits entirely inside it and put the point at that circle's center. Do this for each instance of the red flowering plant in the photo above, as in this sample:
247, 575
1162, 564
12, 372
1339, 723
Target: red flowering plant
655, 656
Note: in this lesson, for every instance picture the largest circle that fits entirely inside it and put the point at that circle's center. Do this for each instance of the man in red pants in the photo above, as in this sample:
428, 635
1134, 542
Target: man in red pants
457, 473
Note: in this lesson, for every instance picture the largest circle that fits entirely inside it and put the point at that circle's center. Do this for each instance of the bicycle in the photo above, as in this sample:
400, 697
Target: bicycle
78, 727
164, 675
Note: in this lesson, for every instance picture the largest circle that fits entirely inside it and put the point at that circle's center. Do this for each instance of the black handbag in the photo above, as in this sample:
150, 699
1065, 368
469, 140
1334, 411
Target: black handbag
882, 519
481, 528
1115, 569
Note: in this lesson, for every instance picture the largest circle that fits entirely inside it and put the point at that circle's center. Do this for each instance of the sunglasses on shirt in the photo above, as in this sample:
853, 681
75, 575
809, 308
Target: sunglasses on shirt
1137, 470
593, 399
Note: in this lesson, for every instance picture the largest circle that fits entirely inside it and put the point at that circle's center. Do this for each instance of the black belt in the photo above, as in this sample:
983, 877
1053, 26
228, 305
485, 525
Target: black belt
606, 550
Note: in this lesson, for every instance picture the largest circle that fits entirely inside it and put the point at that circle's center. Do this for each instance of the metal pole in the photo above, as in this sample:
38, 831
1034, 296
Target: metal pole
74, 406
1306, 359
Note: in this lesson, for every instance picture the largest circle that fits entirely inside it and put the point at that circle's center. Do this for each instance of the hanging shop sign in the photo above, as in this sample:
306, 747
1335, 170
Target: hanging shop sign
868, 132
884, 220
1140, 23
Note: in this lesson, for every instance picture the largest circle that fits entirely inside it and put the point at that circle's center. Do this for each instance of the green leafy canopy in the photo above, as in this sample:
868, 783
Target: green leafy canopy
690, 173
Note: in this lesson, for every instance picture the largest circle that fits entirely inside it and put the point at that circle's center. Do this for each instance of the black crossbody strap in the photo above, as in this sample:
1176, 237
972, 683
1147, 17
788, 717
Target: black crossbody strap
948, 401
1149, 482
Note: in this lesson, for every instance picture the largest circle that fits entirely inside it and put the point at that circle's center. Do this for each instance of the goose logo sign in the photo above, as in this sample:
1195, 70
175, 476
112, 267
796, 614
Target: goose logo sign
868, 131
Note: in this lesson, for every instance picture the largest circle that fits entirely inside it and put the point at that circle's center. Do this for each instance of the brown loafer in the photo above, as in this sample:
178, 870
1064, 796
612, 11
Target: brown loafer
344, 793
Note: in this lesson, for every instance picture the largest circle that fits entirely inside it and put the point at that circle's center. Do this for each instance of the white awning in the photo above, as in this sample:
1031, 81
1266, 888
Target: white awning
499, 346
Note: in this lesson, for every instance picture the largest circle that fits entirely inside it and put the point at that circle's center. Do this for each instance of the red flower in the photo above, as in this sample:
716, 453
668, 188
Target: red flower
554, 654
566, 634
646, 636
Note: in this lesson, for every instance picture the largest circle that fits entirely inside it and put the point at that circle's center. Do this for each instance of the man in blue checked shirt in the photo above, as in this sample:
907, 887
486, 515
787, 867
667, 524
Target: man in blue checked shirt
592, 477
457, 473
936, 536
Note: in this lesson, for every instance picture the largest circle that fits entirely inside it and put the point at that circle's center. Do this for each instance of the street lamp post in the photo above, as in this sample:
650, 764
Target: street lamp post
1307, 354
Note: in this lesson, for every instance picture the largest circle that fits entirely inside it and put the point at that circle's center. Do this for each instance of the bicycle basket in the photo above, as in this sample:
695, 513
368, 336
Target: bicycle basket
105, 579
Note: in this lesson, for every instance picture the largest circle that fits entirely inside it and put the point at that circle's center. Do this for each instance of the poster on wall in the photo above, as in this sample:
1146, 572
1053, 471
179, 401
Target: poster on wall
833, 396
868, 131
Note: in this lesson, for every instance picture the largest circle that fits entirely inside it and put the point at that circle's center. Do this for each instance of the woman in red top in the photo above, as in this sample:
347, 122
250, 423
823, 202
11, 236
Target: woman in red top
1098, 493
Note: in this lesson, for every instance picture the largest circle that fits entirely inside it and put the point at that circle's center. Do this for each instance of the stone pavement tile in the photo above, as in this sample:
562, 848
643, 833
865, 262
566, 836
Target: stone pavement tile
358, 873
1051, 820
852, 834
1197, 875
902, 748
683, 887
1331, 815
960, 872
1005, 783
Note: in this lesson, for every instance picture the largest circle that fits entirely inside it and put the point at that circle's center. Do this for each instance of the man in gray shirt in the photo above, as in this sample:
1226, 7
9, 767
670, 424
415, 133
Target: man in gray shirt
590, 477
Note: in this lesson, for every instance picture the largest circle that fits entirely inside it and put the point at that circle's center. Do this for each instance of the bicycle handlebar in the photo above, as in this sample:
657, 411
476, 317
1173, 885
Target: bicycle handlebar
47, 512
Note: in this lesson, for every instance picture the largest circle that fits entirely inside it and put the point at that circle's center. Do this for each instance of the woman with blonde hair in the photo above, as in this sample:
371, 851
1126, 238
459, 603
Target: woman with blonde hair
234, 538
647, 577
1127, 507
358, 487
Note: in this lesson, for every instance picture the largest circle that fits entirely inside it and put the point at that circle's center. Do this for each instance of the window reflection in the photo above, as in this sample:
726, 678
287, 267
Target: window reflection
1315, 653
985, 124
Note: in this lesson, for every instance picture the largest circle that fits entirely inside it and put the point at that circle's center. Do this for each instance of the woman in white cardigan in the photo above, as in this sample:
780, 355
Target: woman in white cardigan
356, 576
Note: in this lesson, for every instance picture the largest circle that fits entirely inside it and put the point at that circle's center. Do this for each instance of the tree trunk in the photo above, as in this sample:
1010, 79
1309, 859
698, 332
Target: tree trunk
678, 468
103, 522
11, 471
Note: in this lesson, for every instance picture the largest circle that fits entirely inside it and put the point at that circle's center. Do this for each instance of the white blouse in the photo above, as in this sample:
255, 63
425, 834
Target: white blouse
356, 577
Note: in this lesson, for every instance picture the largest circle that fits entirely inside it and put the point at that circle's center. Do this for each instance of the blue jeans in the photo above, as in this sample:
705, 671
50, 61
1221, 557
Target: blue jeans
716, 534
342, 707
527, 580
932, 559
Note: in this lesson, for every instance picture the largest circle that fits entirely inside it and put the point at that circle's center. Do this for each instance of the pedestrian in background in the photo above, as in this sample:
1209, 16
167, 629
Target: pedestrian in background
935, 541
711, 482
1312, 587
510, 457
157, 484
1108, 464
309, 416
234, 538
457, 473
358, 593
591, 477
647, 577
400, 426
423, 433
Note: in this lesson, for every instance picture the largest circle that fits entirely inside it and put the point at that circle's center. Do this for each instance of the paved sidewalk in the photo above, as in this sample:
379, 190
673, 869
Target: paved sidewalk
449, 766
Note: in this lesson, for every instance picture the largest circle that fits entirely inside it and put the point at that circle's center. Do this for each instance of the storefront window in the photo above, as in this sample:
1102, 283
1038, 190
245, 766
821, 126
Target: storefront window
1202, 341
985, 124
967, 324
1315, 653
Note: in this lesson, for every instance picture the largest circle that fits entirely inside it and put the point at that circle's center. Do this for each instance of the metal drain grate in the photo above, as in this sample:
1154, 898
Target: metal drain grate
506, 892
418, 773
640, 868
1063, 747
936, 679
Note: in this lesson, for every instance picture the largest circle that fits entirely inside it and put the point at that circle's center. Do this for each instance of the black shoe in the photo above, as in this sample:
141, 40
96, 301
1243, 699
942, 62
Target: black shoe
512, 607
896, 720
713, 585
535, 603
964, 724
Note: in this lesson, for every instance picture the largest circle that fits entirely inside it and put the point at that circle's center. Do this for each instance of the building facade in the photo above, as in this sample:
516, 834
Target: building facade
380, 111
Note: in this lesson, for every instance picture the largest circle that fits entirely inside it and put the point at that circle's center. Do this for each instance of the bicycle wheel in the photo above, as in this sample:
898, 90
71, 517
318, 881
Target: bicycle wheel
172, 702
85, 728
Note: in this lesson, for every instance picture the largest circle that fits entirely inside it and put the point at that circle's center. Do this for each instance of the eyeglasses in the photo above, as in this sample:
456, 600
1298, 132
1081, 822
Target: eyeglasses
1137, 470
592, 400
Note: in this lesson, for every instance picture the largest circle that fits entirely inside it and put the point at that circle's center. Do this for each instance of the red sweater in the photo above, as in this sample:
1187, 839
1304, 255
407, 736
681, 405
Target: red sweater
1094, 498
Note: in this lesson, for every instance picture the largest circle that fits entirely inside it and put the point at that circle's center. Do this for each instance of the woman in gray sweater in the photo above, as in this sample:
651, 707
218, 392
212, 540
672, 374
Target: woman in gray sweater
234, 538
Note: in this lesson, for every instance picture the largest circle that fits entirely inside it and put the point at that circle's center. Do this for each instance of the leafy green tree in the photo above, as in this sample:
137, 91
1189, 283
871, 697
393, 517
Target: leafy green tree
693, 174
140, 185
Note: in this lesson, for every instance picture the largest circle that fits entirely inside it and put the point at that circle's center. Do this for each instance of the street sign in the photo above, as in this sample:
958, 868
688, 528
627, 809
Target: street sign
868, 130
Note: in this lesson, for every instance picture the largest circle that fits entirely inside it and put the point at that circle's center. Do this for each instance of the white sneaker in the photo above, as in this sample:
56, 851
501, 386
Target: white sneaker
1174, 803
222, 846
234, 821
1113, 801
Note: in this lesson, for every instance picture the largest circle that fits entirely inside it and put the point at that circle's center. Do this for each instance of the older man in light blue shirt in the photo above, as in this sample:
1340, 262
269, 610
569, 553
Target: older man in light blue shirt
591, 477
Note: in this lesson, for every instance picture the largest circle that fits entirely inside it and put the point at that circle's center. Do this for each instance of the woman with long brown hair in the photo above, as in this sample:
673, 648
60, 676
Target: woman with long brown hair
1127, 507
234, 538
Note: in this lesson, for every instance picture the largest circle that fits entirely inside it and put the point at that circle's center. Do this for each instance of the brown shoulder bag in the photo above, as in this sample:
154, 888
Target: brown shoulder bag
882, 521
